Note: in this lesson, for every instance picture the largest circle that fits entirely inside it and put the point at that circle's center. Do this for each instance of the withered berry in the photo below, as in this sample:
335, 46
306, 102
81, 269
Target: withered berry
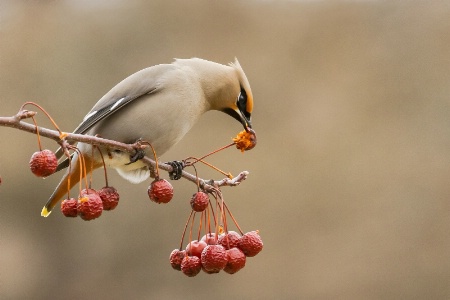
214, 258
69, 207
199, 201
160, 191
195, 248
229, 240
43, 163
176, 257
245, 140
191, 266
109, 196
90, 205
236, 260
250, 243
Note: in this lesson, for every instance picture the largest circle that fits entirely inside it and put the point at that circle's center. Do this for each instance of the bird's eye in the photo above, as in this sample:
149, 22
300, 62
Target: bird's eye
242, 103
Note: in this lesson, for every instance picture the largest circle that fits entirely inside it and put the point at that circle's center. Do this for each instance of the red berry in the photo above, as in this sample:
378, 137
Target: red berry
229, 240
176, 257
191, 266
195, 248
90, 205
43, 163
69, 207
209, 238
109, 196
214, 258
160, 191
250, 243
236, 260
199, 201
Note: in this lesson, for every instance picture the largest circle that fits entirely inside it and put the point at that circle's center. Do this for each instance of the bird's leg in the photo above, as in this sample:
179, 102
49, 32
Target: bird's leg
177, 169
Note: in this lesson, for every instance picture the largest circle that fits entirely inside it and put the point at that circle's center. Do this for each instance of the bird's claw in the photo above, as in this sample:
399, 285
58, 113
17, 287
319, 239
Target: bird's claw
139, 154
177, 169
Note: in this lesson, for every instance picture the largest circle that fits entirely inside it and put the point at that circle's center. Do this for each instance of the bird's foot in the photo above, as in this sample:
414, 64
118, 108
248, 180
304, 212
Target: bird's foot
177, 169
136, 156
139, 154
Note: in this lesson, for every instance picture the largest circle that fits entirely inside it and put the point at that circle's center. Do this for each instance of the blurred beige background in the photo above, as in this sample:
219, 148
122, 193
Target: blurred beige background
349, 183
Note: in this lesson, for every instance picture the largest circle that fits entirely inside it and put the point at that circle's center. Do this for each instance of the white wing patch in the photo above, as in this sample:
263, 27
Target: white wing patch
89, 115
117, 103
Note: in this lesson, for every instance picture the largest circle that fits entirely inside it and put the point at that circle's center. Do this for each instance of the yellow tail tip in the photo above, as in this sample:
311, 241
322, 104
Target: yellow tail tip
45, 213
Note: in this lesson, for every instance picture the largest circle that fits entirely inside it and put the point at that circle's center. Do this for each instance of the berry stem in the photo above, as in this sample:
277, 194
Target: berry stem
224, 215
85, 172
200, 226
222, 211
185, 227
213, 214
46, 113
206, 222
209, 217
234, 220
198, 181
216, 218
92, 167
208, 164
214, 152
156, 160
68, 178
104, 165
81, 169
37, 133
190, 230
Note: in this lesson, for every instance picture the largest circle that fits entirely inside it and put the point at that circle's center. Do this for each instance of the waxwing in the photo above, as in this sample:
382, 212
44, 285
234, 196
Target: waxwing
159, 104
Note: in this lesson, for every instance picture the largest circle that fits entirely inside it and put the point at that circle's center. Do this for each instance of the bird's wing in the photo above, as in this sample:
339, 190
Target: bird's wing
146, 81
113, 105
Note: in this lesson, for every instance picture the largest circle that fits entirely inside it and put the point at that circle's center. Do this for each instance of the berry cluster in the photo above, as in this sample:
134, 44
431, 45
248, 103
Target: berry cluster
215, 251
91, 203
228, 252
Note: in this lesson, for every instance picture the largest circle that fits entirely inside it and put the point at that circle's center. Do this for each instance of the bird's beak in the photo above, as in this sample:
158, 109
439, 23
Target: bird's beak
242, 117
245, 121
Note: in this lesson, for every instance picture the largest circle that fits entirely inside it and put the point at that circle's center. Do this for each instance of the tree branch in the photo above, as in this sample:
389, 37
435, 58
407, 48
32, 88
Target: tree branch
18, 123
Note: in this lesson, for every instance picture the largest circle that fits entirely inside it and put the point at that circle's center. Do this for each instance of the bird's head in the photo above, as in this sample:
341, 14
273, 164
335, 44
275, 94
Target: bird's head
240, 103
226, 89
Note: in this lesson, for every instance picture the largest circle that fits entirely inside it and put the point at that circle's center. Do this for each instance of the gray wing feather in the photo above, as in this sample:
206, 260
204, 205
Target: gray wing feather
106, 111
146, 81
131, 88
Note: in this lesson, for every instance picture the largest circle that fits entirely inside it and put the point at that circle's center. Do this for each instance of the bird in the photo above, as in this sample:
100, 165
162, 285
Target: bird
159, 105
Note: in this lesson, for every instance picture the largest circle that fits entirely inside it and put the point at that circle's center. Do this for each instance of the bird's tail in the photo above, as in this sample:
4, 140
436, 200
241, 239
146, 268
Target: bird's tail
72, 177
